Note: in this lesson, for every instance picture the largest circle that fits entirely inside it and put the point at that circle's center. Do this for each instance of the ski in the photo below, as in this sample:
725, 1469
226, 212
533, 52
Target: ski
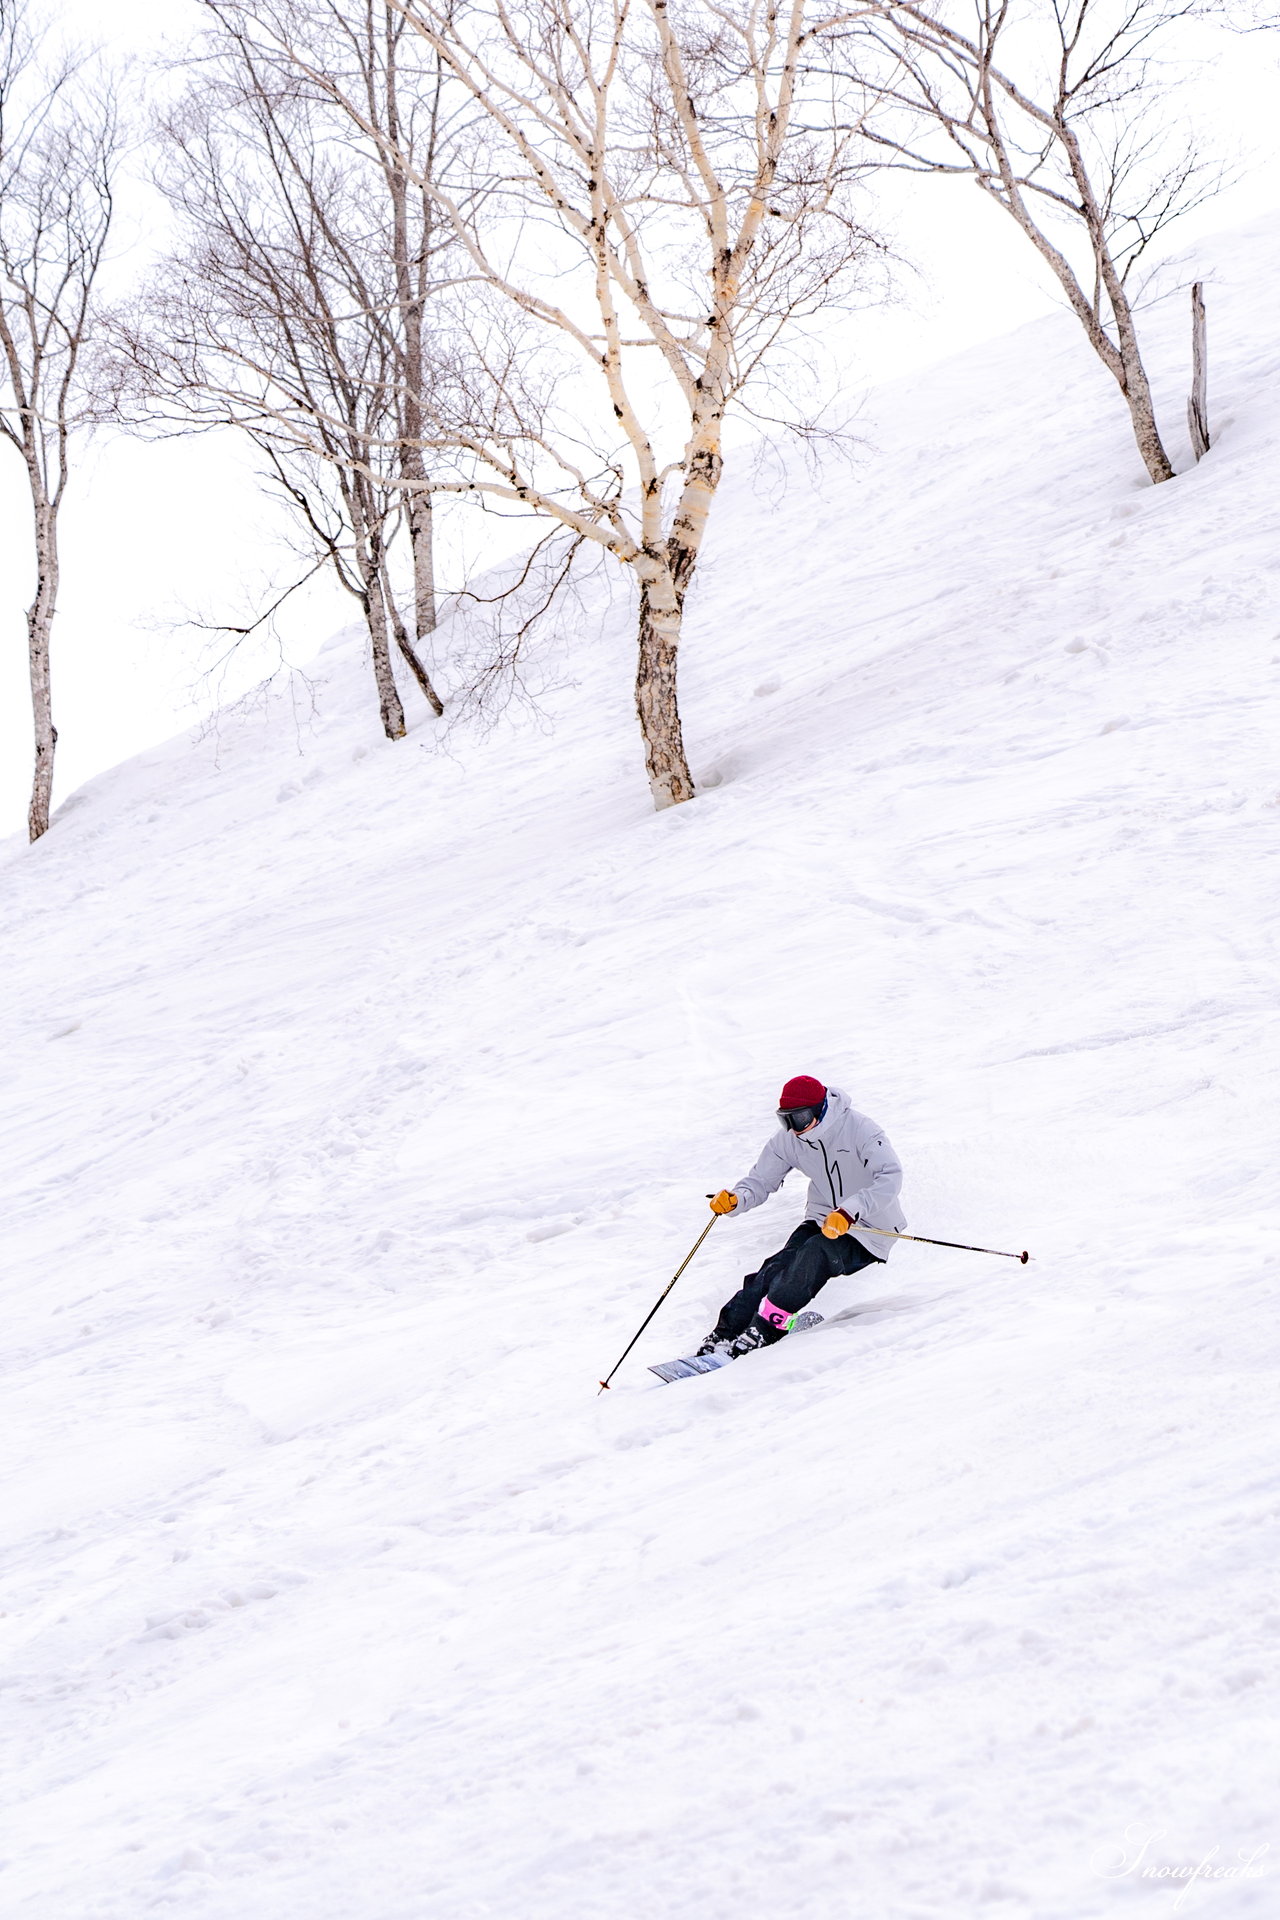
670, 1370
684, 1369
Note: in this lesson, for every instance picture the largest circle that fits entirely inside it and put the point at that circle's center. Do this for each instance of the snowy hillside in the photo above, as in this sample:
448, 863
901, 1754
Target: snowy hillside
359, 1100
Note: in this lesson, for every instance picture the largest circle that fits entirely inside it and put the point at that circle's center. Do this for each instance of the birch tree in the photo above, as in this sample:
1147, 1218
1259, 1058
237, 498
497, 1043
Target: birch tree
676, 193
1056, 108
297, 308
58, 145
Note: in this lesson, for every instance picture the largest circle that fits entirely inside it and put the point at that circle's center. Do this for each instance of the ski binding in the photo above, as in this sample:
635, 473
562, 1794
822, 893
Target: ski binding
670, 1370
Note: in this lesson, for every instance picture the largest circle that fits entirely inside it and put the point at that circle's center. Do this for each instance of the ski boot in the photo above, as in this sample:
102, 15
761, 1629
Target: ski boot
715, 1343
748, 1342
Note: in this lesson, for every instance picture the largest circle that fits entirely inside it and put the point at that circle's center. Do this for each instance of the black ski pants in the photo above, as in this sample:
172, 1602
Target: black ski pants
790, 1278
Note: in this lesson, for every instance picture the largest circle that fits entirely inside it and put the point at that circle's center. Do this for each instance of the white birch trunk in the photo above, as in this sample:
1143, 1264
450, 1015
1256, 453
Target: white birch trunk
1198, 404
422, 542
1134, 384
665, 573
375, 614
369, 561
670, 781
39, 626
408, 651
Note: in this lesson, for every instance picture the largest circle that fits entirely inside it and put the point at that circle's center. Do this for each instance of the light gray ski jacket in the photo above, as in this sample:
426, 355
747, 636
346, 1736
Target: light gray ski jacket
850, 1164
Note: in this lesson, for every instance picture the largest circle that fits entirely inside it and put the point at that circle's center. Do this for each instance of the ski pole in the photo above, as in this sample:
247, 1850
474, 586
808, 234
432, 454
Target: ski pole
662, 1296
959, 1245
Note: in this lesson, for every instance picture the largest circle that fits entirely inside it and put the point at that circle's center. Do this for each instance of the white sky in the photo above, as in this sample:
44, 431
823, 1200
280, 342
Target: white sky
153, 534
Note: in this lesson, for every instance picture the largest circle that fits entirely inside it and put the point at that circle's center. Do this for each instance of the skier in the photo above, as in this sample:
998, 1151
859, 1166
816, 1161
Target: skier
854, 1178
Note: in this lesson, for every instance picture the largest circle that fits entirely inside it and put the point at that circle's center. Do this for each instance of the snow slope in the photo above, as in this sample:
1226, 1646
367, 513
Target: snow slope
358, 1101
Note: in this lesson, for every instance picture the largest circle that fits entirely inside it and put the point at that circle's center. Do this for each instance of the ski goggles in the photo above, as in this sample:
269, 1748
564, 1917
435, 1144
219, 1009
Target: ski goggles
796, 1119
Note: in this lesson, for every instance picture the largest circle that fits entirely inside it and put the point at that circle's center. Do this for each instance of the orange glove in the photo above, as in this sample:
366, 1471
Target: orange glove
724, 1202
836, 1223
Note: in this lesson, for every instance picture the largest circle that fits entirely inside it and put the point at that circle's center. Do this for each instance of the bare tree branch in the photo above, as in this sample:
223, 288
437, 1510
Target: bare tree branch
1057, 111
297, 308
675, 186
59, 141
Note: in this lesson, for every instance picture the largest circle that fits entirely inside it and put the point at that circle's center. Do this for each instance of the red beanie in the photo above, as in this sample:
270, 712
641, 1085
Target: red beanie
803, 1091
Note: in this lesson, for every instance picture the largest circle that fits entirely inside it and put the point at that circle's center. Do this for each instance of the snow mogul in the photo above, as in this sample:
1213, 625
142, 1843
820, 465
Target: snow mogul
854, 1182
